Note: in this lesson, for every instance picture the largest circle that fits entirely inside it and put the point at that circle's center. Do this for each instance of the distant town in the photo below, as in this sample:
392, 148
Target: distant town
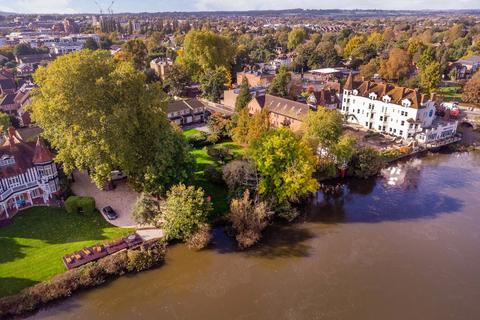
157, 128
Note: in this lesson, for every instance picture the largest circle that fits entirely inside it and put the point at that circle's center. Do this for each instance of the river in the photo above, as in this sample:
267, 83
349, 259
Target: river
405, 245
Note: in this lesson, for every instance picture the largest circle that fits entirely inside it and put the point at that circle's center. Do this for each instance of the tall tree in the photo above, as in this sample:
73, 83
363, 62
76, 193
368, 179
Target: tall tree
176, 80
100, 115
205, 50
322, 128
296, 37
244, 95
212, 83
136, 52
5, 122
279, 85
286, 165
430, 76
397, 66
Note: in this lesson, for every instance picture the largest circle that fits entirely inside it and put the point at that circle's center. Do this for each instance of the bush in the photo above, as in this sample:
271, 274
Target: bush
199, 239
239, 175
199, 140
366, 162
213, 174
76, 204
146, 257
220, 154
248, 218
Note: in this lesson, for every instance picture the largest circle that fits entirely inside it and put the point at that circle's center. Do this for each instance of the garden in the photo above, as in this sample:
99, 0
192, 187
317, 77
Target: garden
35, 242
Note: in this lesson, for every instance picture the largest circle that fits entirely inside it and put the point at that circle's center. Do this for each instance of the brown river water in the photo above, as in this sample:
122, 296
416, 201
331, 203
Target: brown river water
405, 245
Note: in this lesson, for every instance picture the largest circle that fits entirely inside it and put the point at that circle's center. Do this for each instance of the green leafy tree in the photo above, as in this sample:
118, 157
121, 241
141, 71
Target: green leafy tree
366, 162
322, 128
296, 37
136, 52
90, 44
279, 85
212, 83
5, 122
185, 210
219, 127
205, 50
370, 69
286, 165
427, 57
249, 128
176, 80
430, 76
244, 95
344, 149
100, 115
352, 44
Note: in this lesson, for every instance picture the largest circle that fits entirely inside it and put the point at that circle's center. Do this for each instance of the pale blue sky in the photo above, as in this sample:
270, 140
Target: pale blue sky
89, 6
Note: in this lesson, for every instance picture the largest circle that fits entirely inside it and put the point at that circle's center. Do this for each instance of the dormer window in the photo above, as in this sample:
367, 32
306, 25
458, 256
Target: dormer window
406, 103
355, 92
6, 160
387, 99
372, 96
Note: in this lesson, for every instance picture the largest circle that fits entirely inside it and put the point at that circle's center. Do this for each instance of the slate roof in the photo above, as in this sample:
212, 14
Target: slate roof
292, 109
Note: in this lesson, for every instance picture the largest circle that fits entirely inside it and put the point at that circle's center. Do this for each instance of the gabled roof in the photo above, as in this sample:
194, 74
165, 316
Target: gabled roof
22, 152
289, 108
396, 93
188, 104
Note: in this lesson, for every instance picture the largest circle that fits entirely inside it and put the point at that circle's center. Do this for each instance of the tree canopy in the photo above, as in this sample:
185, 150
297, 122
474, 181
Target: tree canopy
136, 52
286, 165
296, 37
99, 114
203, 49
244, 95
279, 85
471, 91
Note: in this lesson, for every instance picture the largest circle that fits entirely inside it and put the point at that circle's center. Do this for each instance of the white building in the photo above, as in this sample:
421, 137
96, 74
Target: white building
28, 175
398, 111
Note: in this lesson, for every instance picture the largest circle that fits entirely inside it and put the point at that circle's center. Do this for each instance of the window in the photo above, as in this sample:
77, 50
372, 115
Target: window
406, 114
366, 124
402, 123
13, 181
379, 127
381, 118
401, 132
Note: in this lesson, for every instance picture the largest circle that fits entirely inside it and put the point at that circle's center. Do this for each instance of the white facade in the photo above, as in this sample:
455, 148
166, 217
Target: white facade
380, 114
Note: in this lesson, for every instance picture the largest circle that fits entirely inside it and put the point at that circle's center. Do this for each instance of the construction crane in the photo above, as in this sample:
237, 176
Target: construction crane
110, 7
99, 6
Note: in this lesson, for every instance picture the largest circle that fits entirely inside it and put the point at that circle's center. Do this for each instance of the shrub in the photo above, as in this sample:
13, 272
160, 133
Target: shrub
199, 140
366, 162
76, 204
213, 174
220, 154
146, 257
200, 239
248, 218
115, 264
239, 175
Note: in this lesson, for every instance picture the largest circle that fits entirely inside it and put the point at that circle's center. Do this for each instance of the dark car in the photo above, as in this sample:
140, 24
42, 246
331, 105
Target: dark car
110, 213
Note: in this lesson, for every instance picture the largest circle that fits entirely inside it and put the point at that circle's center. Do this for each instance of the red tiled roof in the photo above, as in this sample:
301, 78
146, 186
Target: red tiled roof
42, 154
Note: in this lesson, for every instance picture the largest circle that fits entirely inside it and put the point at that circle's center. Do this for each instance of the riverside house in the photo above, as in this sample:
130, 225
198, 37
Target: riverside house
185, 112
394, 110
28, 174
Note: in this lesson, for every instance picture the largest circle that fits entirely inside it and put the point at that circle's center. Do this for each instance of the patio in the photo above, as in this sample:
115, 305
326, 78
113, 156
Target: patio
121, 199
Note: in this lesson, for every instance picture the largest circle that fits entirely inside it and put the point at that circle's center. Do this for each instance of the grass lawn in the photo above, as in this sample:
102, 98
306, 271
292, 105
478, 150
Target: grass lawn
32, 246
450, 93
219, 193
190, 132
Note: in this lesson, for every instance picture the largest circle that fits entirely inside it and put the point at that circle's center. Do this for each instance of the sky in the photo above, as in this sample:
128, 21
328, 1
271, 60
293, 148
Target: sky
89, 6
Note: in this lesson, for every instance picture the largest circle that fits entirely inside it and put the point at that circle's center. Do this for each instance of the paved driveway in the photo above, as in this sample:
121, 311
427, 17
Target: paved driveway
121, 199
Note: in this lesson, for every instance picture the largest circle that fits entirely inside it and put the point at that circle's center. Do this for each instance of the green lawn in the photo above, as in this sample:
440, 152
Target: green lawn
190, 132
32, 246
450, 93
218, 193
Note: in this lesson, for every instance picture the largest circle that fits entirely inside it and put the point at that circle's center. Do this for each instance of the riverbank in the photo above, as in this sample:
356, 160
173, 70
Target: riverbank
407, 250
146, 256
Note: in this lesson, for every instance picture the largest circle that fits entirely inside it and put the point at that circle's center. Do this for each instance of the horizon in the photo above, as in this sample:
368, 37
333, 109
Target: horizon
191, 6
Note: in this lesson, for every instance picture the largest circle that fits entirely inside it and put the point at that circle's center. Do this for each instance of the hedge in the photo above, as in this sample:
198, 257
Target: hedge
148, 255
76, 204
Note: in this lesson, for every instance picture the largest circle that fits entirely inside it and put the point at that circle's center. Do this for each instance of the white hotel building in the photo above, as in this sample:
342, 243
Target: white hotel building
398, 111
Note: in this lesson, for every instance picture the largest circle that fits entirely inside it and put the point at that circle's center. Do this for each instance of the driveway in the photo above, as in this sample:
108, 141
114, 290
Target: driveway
121, 199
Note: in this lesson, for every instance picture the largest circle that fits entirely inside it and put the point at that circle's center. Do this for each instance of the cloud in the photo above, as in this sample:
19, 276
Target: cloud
39, 6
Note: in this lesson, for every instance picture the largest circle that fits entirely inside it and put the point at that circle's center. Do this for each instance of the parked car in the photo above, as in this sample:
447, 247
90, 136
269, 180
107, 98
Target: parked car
110, 213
